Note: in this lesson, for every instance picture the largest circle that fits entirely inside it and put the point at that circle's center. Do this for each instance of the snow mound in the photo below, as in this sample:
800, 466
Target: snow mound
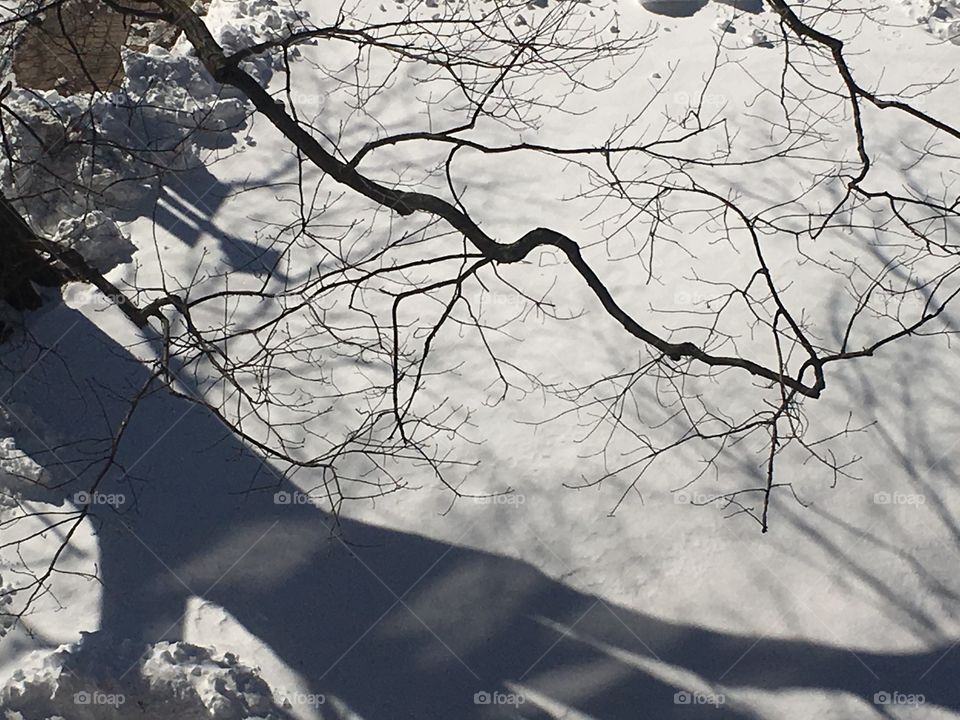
941, 18
96, 680
18, 471
242, 23
103, 243
15, 465
109, 150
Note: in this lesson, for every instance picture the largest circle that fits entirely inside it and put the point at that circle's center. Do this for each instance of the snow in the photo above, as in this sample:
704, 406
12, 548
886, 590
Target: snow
15, 465
941, 18
98, 679
103, 243
536, 595
166, 111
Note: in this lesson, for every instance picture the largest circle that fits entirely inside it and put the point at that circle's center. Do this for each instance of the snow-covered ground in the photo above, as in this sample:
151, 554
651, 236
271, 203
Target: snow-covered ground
537, 603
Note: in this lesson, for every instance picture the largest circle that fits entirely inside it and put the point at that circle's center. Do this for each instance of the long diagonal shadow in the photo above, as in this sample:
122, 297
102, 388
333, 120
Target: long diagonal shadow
392, 624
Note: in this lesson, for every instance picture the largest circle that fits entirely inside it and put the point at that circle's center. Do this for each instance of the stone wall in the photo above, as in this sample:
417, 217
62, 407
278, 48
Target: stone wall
75, 47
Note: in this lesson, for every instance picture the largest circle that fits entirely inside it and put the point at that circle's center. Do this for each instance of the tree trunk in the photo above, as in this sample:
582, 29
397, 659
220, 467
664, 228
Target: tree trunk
21, 264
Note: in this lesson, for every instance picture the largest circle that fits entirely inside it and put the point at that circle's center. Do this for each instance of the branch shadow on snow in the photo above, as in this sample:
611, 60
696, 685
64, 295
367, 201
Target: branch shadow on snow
392, 624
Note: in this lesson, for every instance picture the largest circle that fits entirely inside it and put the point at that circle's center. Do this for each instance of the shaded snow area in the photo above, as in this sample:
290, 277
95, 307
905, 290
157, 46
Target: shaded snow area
97, 679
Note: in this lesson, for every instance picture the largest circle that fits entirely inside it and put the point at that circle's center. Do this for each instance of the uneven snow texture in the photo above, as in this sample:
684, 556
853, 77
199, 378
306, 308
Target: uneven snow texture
104, 244
16, 466
96, 680
17, 469
939, 17
168, 110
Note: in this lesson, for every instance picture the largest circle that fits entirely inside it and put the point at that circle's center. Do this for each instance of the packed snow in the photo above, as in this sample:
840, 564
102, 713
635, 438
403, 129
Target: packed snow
100, 679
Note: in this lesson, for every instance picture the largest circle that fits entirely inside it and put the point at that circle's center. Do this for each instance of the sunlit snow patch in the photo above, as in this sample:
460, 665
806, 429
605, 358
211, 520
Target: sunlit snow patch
96, 680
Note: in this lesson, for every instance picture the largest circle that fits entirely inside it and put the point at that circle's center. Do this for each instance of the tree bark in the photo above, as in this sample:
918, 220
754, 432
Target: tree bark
22, 265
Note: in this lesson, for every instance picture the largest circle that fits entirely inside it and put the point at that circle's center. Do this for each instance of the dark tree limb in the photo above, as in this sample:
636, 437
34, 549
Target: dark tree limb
22, 265
228, 72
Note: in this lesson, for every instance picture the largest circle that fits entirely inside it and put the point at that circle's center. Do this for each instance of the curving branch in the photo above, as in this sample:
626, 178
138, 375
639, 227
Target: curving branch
227, 70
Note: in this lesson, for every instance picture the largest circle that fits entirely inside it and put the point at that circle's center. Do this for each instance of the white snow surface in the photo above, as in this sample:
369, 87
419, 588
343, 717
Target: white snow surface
848, 578
99, 679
